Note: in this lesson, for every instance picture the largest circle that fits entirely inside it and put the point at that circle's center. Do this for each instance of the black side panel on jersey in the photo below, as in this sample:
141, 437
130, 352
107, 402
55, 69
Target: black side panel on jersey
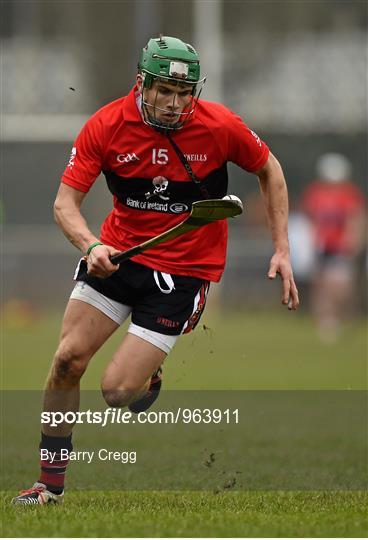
170, 196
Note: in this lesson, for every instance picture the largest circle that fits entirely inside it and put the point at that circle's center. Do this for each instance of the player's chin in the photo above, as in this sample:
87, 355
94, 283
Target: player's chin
169, 119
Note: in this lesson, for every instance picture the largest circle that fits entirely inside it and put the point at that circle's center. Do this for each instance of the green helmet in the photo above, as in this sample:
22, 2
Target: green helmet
169, 58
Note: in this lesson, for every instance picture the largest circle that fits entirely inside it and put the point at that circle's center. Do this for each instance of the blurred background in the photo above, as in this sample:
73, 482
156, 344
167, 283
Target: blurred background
296, 71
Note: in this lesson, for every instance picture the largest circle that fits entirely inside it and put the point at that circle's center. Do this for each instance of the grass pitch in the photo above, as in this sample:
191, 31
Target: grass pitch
158, 514
237, 351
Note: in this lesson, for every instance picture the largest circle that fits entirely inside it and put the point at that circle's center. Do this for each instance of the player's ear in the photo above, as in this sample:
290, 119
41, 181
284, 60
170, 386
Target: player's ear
139, 80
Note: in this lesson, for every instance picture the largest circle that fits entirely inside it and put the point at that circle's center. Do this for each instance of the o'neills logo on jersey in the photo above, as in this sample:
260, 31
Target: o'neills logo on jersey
125, 158
196, 157
72, 157
259, 142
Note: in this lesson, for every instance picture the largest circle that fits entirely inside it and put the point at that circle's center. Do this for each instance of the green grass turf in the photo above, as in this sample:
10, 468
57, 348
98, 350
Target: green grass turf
157, 514
277, 350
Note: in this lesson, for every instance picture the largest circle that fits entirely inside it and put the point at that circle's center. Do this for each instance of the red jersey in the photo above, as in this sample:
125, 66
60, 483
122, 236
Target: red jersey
330, 208
151, 188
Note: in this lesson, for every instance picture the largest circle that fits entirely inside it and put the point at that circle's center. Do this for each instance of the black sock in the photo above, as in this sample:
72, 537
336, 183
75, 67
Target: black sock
53, 470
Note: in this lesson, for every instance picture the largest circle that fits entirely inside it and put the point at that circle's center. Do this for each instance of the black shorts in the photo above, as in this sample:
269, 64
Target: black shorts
164, 303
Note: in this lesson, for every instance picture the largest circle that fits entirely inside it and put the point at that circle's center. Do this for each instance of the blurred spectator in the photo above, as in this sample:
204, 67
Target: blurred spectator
334, 206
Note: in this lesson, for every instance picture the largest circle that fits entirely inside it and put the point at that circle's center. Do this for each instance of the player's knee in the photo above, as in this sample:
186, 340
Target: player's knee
118, 397
69, 364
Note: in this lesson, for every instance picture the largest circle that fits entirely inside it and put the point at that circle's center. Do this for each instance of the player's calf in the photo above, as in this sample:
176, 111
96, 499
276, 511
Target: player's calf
121, 397
151, 394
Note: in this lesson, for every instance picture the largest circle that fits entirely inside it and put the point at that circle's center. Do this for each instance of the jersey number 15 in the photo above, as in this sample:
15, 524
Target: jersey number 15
159, 156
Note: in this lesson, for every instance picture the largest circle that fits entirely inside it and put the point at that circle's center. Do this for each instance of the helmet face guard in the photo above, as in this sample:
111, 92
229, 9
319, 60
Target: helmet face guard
169, 60
176, 120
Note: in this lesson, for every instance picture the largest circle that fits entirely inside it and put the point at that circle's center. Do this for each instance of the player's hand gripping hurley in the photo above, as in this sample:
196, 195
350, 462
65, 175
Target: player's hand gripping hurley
203, 213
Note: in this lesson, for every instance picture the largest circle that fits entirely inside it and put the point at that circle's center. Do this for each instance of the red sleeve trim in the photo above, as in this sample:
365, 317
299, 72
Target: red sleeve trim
74, 184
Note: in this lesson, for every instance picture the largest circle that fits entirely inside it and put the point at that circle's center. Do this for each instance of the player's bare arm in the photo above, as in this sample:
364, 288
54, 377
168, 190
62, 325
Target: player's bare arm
69, 218
274, 192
